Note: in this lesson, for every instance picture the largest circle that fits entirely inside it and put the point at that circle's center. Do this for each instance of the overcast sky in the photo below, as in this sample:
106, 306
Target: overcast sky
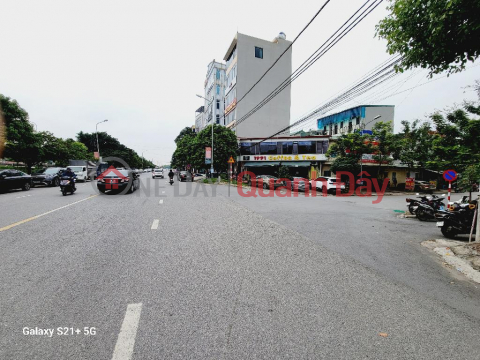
139, 64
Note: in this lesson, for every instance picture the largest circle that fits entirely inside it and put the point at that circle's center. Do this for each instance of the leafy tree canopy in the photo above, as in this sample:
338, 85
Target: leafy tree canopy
439, 35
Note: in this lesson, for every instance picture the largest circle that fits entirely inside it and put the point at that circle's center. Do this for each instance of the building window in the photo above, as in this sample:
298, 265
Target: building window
258, 52
268, 148
307, 147
357, 121
341, 124
218, 119
325, 130
218, 74
287, 147
218, 89
336, 129
218, 104
246, 149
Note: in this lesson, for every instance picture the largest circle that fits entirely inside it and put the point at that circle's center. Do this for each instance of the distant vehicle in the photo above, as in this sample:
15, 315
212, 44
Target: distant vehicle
330, 183
81, 172
48, 177
88, 169
101, 168
14, 179
185, 176
157, 173
115, 181
302, 183
424, 186
266, 180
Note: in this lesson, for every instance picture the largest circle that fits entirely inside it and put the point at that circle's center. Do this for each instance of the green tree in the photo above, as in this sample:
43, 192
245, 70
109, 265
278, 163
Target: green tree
224, 145
456, 144
110, 146
347, 152
386, 145
22, 143
415, 144
440, 35
191, 148
187, 131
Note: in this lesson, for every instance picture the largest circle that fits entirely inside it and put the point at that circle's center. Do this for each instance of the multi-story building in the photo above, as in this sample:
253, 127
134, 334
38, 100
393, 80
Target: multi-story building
199, 125
304, 155
247, 59
360, 118
215, 93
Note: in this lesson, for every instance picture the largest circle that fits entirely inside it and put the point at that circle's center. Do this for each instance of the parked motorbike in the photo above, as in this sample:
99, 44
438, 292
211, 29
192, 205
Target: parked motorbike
413, 204
67, 185
458, 220
426, 211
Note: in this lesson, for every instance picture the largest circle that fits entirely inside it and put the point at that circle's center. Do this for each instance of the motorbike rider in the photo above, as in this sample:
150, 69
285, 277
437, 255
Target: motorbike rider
171, 174
69, 173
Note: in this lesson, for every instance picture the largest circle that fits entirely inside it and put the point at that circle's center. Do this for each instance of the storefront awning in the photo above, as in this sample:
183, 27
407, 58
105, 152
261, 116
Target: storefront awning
261, 163
296, 163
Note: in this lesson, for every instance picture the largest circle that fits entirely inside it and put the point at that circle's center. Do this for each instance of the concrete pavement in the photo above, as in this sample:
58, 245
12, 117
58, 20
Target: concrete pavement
218, 278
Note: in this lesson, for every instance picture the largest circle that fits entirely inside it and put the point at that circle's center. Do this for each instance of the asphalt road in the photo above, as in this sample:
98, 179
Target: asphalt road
161, 274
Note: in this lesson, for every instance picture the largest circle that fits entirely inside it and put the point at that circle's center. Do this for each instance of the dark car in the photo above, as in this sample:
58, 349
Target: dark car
265, 180
48, 177
14, 179
185, 176
115, 181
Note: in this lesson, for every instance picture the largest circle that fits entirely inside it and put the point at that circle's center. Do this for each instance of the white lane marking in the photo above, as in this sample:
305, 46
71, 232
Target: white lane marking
155, 224
160, 202
46, 213
128, 331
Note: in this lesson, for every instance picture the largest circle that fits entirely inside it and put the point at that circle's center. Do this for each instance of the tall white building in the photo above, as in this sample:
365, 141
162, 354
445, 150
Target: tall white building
247, 59
215, 93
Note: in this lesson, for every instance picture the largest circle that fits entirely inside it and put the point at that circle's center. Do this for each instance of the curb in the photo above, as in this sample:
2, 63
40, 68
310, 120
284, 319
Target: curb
461, 265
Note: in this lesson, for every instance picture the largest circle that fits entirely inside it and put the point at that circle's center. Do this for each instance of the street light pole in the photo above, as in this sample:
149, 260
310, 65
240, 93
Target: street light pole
211, 153
98, 144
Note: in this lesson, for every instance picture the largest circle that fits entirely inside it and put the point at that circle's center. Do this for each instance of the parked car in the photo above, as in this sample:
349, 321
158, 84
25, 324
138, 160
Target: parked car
302, 183
330, 183
157, 173
117, 181
48, 177
424, 186
185, 176
266, 180
14, 179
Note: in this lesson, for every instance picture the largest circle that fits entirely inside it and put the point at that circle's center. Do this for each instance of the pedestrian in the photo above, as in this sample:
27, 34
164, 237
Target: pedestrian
394, 182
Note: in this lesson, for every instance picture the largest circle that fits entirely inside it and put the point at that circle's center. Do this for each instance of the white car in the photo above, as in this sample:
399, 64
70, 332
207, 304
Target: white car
81, 172
157, 173
330, 183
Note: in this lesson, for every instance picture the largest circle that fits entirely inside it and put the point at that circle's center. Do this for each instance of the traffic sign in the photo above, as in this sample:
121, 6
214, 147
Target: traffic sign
450, 175
231, 161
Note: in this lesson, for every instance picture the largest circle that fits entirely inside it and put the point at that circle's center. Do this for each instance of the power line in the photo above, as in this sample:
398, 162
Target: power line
322, 50
365, 84
288, 48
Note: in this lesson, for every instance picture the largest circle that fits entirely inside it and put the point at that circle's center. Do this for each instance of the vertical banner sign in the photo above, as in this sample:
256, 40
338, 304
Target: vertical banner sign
208, 155
409, 183
96, 155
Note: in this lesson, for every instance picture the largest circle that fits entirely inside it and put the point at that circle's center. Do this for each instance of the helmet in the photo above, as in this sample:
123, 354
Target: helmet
68, 169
